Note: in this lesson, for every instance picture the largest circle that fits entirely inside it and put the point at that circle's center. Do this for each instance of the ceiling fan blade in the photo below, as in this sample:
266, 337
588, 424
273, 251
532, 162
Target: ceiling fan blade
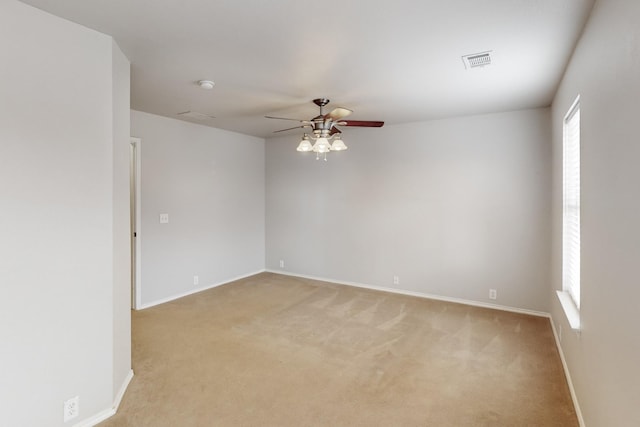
286, 118
297, 127
334, 130
338, 113
361, 123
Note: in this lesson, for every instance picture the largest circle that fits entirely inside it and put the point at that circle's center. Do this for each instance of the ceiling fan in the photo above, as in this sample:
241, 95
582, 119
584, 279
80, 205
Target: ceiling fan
324, 127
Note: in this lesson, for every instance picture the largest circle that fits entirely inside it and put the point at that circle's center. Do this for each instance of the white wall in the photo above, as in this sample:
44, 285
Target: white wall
57, 220
121, 220
603, 359
453, 207
211, 183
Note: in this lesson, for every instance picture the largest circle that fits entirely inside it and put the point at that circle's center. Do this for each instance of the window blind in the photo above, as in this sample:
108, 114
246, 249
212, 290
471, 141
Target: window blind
571, 204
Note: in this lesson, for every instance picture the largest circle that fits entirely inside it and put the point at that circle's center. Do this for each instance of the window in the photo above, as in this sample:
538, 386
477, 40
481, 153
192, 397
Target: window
570, 295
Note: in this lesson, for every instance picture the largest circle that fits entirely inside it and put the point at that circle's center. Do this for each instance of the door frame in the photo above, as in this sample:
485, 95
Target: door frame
136, 223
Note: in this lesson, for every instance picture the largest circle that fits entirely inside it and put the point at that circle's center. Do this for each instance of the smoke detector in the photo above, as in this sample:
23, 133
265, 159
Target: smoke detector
476, 60
206, 84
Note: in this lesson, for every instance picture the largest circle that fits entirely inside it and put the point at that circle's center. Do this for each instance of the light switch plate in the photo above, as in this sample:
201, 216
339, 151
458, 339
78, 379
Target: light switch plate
164, 218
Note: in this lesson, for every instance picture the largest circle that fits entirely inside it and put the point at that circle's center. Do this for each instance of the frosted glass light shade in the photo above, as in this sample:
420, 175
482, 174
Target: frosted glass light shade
321, 146
338, 145
305, 145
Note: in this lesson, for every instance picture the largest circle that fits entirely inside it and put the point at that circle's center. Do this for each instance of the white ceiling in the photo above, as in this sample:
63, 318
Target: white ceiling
397, 61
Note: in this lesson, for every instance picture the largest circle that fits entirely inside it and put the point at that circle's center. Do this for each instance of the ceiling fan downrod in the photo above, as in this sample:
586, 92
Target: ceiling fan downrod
321, 102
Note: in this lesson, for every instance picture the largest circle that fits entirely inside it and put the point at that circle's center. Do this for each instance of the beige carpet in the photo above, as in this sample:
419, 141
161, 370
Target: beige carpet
274, 350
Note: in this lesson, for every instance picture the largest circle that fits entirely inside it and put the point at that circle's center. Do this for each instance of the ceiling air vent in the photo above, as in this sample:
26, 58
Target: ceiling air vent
475, 60
195, 115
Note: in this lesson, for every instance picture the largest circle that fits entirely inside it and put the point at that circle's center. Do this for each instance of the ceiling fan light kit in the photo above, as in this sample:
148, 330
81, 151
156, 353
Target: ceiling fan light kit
324, 129
338, 144
305, 144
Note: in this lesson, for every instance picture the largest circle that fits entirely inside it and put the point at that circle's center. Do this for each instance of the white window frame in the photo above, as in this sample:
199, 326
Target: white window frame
570, 294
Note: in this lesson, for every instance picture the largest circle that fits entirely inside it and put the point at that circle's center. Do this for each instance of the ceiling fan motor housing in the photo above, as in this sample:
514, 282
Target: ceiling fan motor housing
321, 102
322, 127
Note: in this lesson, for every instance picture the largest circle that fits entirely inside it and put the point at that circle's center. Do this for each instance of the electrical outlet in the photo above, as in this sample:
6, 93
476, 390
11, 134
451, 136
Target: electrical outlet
196, 280
71, 408
164, 218
396, 280
281, 263
493, 294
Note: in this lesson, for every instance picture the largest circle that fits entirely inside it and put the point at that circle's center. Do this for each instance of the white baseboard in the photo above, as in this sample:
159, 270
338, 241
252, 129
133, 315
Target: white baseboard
103, 415
123, 389
195, 291
572, 390
97, 418
418, 294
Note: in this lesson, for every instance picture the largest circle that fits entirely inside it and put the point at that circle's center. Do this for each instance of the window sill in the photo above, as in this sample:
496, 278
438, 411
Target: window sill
570, 310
